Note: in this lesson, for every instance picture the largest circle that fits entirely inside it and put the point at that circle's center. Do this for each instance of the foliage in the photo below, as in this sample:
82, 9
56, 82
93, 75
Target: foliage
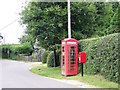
50, 59
114, 23
12, 50
47, 21
56, 46
8, 51
27, 39
40, 25
44, 57
25, 48
102, 56
105, 13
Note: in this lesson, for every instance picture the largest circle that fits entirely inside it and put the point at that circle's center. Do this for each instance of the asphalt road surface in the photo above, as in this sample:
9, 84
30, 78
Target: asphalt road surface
17, 75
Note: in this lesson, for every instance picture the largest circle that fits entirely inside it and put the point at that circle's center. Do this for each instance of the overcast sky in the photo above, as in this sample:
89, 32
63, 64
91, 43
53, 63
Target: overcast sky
10, 28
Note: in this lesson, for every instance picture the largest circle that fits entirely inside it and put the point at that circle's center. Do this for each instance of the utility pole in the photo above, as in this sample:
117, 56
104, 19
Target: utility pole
69, 20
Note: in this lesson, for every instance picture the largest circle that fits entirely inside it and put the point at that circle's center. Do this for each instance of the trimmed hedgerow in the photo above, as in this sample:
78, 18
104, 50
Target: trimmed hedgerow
44, 57
50, 59
102, 56
10, 51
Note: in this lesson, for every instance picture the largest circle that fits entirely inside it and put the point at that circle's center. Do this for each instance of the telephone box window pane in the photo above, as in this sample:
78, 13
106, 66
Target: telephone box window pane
63, 60
63, 49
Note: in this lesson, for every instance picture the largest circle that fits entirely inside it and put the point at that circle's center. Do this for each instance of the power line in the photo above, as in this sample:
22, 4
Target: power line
9, 24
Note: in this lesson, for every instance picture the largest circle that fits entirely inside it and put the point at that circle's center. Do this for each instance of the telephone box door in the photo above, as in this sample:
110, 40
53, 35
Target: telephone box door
71, 59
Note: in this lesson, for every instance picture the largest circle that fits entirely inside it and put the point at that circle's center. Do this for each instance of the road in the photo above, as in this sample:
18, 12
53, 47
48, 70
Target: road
17, 75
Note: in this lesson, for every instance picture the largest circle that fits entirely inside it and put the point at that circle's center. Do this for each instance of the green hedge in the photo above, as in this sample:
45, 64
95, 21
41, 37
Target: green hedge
102, 56
50, 58
25, 48
8, 51
44, 57
11, 51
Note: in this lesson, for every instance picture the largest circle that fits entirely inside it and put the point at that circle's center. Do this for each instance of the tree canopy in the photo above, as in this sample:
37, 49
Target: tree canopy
47, 21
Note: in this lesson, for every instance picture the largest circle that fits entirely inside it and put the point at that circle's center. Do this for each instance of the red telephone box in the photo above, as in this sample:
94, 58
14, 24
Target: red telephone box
69, 57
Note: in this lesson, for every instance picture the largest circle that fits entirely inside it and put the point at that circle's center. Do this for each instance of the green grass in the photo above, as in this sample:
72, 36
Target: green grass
96, 80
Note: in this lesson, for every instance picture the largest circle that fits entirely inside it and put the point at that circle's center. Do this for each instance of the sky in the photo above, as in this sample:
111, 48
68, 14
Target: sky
10, 28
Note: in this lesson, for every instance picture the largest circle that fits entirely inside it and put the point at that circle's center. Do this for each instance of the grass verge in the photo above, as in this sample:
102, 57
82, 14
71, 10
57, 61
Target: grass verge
96, 80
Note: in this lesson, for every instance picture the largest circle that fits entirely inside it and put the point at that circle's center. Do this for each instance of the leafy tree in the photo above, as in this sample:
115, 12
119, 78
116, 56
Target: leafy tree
100, 18
82, 15
47, 21
105, 13
114, 26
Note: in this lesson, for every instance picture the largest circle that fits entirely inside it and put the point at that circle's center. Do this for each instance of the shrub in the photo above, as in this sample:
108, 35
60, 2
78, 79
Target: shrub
11, 51
44, 57
50, 59
102, 56
25, 48
8, 52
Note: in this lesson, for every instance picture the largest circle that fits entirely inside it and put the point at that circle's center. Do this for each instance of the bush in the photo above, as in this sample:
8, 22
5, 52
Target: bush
102, 56
50, 59
10, 51
25, 48
44, 57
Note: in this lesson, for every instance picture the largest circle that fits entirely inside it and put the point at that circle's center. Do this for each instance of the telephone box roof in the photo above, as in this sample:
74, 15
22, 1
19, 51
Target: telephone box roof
70, 39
